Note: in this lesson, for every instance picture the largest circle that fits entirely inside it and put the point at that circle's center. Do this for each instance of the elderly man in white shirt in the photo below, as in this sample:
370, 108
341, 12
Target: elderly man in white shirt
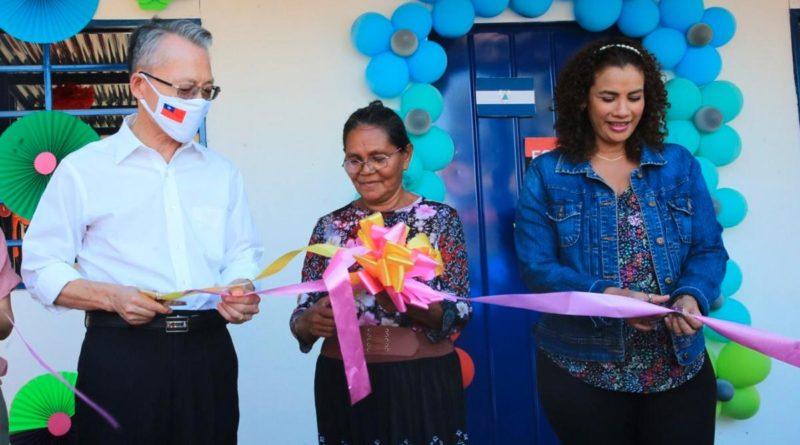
149, 209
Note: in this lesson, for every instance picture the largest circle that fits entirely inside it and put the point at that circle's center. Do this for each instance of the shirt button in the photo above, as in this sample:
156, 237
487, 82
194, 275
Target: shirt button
660, 241
668, 280
651, 203
686, 356
640, 175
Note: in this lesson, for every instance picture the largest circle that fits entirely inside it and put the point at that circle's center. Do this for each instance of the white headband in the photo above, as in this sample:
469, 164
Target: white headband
619, 45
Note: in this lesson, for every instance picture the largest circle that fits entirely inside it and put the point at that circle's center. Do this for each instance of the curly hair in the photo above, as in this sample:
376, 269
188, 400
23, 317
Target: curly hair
576, 138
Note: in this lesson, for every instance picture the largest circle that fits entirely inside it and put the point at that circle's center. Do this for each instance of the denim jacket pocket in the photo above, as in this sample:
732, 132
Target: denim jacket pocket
680, 207
567, 217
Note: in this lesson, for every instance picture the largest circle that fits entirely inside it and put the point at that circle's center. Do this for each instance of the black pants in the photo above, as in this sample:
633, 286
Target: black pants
164, 389
583, 414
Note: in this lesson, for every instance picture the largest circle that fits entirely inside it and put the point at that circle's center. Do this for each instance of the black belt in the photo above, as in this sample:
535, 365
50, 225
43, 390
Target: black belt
177, 322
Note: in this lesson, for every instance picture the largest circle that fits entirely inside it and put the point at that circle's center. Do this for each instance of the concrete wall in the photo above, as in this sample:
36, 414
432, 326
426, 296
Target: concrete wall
290, 78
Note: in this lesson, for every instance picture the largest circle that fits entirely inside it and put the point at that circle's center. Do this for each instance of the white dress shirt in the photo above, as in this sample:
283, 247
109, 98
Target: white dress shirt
116, 212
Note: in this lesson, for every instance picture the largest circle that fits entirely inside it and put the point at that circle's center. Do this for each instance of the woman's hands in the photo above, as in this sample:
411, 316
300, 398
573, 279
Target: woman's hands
645, 324
682, 324
316, 321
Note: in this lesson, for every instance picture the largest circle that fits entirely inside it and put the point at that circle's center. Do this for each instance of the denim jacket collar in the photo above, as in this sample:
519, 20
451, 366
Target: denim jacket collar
649, 157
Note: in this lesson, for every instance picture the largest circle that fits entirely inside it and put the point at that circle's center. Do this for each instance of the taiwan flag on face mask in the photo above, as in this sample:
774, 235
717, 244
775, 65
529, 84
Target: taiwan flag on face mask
173, 113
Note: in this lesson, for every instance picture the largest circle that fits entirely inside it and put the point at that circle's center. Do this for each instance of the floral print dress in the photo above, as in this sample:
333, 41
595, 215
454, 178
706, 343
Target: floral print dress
413, 402
649, 364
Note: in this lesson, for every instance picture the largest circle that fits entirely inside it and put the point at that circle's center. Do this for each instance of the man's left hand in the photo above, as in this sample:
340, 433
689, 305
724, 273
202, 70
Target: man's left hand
239, 306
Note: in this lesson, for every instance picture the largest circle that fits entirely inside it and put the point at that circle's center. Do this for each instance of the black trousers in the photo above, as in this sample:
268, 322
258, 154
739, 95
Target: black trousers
583, 414
163, 388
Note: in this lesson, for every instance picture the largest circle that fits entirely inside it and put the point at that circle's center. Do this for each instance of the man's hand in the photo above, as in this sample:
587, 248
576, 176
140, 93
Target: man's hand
133, 306
240, 305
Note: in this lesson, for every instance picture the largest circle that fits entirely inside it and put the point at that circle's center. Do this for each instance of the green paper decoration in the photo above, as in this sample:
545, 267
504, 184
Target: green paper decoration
39, 399
44, 131
154, 5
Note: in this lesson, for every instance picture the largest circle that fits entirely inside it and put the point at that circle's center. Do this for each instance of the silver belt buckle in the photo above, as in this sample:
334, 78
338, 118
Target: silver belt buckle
176, 324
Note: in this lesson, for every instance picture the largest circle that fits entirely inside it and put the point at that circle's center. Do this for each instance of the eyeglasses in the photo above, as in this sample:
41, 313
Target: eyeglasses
189, 91
375, 162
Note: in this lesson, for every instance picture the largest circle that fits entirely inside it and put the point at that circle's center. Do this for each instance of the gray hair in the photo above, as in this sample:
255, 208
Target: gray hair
145, 39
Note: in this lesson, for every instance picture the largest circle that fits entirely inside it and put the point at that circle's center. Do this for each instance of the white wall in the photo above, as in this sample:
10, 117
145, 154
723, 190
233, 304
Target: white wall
290, 78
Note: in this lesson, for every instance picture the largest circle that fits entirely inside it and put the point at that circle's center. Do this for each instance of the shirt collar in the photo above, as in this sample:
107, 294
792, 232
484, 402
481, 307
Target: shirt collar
127, 142
649, 157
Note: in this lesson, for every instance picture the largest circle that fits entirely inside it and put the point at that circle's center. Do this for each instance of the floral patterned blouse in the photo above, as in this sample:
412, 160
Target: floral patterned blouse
650, 364
443, 227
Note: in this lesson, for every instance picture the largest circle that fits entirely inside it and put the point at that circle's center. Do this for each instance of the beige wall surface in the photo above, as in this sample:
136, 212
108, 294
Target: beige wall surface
290, 77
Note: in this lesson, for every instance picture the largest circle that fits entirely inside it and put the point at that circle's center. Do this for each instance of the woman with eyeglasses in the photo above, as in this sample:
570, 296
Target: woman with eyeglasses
417, 395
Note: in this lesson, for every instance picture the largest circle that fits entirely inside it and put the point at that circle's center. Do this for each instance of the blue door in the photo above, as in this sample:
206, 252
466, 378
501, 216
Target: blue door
483, 182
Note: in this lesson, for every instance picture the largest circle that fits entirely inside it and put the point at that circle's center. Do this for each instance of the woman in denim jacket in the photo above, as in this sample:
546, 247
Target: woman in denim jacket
616, 210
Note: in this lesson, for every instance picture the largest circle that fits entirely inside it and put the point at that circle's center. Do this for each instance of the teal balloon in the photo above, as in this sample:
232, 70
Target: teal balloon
428, 64
683, 133
732, 207
435, 148
700, 65
387, 75
722, 22
680, 14
414, 17
413, 174
724, 96
430, 186
489, 8
720, 147
371, 33
530, 8
667, 45
709, 172
638, 18
731, 310
684, 98
424, 96
593, 15
453, 18
742, 366
733, 279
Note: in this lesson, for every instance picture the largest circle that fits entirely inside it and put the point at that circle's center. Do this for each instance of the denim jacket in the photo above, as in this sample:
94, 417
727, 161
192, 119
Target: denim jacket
566, 240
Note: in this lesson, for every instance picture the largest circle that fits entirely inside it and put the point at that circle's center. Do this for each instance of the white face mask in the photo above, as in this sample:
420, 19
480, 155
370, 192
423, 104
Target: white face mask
178, 118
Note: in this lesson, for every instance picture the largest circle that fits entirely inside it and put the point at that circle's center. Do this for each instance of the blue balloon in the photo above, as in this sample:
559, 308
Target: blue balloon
430, 186
733, 279
724, 96
427, 64
732, 207
709, 172
414, 17
435, 148
667, 45
722, 22
489, 8
683, 133
453, 18
387, 75
530, 8
700, 65
424, 96
414, 172
721, 147
371, 33
595, 16
725, 390
684, 98
731, 310
680, 14
638, 18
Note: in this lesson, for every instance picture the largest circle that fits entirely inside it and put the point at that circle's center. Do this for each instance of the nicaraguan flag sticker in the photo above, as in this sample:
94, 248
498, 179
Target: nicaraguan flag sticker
505, 97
